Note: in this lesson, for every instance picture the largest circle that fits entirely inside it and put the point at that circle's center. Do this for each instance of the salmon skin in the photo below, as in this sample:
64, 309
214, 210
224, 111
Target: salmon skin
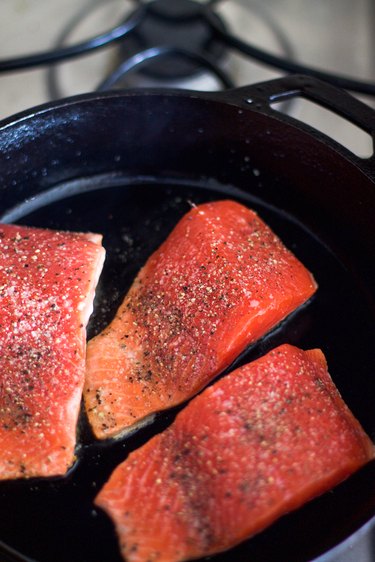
258, 443
47, 284
220, 281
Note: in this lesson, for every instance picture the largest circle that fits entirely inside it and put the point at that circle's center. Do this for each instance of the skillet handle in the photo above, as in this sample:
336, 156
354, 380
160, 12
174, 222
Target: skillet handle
261, 96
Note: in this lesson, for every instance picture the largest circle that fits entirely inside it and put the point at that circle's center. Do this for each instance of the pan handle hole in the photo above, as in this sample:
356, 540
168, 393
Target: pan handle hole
331, 124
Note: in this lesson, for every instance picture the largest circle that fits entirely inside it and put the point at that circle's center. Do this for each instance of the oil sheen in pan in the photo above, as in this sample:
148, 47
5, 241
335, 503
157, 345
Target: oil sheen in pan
55, 519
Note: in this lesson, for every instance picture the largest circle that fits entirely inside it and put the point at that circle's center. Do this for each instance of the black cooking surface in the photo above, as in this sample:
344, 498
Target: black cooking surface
55, 520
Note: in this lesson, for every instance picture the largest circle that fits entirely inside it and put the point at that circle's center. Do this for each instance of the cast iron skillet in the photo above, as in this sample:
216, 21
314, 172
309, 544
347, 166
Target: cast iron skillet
129, 164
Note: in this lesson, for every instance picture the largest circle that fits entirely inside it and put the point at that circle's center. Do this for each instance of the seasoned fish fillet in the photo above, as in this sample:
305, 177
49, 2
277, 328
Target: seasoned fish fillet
258, 443
220, 281
47, 284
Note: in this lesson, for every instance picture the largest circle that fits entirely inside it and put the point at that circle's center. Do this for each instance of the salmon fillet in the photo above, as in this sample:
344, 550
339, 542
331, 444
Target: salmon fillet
258, 443
220, 281
47, 284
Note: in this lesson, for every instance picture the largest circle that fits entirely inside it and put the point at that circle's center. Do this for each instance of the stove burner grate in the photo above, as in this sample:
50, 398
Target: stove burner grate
155, 30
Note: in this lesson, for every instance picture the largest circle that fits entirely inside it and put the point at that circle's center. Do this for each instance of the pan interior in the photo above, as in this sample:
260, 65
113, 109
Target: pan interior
55, 519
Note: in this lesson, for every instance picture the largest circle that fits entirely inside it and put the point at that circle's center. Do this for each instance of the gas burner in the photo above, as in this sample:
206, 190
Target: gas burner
171, 45
176, 40
180, 26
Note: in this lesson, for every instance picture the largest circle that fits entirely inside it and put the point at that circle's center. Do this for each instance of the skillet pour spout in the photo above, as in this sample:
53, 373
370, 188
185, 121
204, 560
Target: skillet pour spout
129, 164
